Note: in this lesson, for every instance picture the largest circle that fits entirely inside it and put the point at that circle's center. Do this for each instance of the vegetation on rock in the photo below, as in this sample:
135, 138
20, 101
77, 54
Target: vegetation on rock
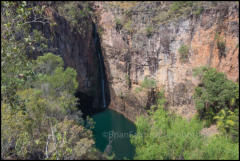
147, 83
149, 30
184, 52
76, 12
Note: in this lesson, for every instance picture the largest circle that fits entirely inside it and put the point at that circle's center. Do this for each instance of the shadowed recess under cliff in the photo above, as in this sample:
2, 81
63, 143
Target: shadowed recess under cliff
86, 102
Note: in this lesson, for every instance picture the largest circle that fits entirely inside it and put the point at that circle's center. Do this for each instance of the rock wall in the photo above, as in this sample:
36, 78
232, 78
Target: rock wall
130, 56
75, 44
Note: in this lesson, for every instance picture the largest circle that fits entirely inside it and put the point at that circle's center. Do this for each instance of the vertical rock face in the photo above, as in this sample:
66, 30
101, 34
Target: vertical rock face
75, 44
132, 55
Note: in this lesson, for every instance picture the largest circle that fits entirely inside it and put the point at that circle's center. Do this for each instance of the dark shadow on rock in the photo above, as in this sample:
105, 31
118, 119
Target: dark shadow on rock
106, 83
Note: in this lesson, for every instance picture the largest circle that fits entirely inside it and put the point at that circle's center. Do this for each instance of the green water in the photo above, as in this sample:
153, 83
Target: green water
111, 125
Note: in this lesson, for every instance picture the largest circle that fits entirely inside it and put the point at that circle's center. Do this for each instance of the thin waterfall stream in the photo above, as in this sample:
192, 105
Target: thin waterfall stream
112, 130
101, 65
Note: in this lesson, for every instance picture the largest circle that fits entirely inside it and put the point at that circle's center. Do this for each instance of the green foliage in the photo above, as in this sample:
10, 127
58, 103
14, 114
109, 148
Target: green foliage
221, 147
138, 89
16, 45
118, 21
77, 13
199, 71
217, 100
178, 5
162, 135
198, 11
68, 80
184, 52
39, 117
44, 106
47, 114
119, 24
221, 45
125, 5
70, 141
147, 83
161, 100
149, 30
218, 147
100, 30
48, 63
179, 9
228, 122
128, 26
73, 11
50, 69
128, 81
215, 93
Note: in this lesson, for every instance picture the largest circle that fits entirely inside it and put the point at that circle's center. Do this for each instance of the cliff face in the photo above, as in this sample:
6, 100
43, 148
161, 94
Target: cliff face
161, 41
70, 35
134, 46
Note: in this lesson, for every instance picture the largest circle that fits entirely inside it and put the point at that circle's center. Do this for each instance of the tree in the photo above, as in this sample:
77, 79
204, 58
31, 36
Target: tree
214, 93
39, 117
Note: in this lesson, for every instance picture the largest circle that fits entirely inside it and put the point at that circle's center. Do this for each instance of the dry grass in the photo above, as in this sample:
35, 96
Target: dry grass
124, 5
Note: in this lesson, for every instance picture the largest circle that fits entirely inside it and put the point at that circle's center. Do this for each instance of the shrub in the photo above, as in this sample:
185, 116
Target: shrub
149, 31
176, 6
128, 26
74, 10
198, 11
179, 9
164, 136
184, 51
218, 147
180, 6
138, 89
148, 83
221, 47
118, 24
128, 80
214, 93
228, 122
77, 14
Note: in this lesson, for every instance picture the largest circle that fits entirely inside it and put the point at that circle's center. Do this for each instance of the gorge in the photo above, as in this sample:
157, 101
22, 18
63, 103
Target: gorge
133, 50
112, 69
123, 44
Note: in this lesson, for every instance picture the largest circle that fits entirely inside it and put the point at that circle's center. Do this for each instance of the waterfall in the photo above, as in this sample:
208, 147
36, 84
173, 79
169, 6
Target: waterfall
101, 65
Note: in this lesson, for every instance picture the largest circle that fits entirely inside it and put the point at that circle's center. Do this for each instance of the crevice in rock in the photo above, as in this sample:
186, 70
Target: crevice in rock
101, 66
